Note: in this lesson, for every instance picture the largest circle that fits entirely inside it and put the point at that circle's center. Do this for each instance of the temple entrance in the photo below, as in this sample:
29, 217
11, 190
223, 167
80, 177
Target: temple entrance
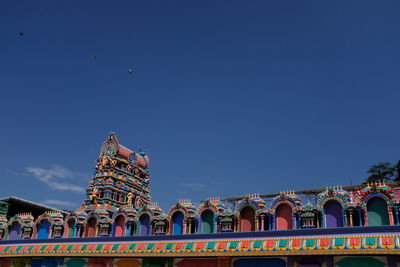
247, 219
119, 225
43, 230
377, 212
70, 228
177, 220
14, 231
144, 224
91, 227
333, 214
207, 218
284, 218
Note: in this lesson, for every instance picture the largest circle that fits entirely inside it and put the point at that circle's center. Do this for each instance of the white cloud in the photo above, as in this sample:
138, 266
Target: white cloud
52, 176
59, 203
194, 186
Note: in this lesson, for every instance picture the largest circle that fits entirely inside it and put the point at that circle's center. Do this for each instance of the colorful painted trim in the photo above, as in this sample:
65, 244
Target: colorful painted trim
321, 245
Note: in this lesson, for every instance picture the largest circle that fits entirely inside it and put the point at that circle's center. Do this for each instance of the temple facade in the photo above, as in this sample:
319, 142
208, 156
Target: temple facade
119, 224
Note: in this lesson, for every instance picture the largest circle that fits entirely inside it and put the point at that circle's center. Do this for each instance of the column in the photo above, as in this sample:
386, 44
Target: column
344, 217
390, 211
365, 216
396, 212
351, 216
184, 227
262, 221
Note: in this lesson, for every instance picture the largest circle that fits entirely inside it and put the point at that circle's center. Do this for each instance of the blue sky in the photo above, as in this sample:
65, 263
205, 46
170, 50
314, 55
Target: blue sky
227, 97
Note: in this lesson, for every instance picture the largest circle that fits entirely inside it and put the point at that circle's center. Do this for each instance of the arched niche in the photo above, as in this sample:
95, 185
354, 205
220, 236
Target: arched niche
119, 223
377, 211
247, 219
144, 221
91, 227
177, 223
207, 222
43, 229
333, 214
70, 228
284, 217
14, 231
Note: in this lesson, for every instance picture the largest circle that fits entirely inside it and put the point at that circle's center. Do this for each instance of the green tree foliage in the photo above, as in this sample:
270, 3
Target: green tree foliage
383, 171
397, 171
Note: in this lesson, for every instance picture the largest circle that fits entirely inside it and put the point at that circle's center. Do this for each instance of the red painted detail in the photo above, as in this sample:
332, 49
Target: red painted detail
91, 247
63, 247
120, 221
197, 263
107, 247
1, 248
200, 245
324, 242
141, 246
221, 245
284, 217
355, 241
159, 246
387, 240
12, 249
178, 246
247, 219
296, 242
91, 227
77, 247
50, 247
270, 243
25, 248
123, 247
37, 247
245, 244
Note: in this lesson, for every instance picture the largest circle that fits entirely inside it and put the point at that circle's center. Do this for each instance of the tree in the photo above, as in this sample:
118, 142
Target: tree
397, 171
383, 171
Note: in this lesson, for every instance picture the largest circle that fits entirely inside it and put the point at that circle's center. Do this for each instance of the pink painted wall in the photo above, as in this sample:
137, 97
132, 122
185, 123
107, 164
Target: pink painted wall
284, 217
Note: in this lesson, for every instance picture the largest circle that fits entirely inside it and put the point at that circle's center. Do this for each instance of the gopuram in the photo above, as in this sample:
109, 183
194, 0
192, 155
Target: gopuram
119, 225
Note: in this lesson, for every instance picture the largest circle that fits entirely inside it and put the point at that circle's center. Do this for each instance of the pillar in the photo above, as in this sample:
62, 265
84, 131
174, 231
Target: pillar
365, 216
262, 221
215, 226
344, 217
396, 212
257, 224
184, 227
351, 217
390, 211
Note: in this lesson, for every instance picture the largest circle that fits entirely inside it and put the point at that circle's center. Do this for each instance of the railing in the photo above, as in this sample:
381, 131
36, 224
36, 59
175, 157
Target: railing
387, 229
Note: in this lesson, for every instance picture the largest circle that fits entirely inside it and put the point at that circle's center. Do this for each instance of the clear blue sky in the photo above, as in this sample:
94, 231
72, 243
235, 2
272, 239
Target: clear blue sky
227, 97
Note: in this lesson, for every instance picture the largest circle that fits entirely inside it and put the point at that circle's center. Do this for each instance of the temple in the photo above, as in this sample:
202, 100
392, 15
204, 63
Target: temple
119, 224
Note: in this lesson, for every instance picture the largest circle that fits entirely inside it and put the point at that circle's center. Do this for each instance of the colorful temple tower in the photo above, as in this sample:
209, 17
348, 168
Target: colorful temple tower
121, 177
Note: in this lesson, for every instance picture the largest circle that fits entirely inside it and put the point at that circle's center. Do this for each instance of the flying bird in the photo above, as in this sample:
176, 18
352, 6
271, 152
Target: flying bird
93, 57
21, 33
130, 71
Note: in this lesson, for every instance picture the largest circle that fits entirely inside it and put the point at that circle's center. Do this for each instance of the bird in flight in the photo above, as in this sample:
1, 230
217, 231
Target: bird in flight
130, 71
21, 33
93, 57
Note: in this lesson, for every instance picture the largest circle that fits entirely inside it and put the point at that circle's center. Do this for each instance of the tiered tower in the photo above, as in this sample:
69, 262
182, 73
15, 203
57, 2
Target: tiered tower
121, 178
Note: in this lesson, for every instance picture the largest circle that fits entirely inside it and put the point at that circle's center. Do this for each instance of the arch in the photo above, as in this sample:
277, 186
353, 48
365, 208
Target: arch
14, 231
70, 228
144, 221
177, 223
207, 222
247, 219
377, 211
43, 229
333, 214
119, 223
90, 230
284, 217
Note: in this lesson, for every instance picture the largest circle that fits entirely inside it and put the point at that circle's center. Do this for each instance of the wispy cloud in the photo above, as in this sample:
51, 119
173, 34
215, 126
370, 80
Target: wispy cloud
194, 186
60, 203
52, 176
